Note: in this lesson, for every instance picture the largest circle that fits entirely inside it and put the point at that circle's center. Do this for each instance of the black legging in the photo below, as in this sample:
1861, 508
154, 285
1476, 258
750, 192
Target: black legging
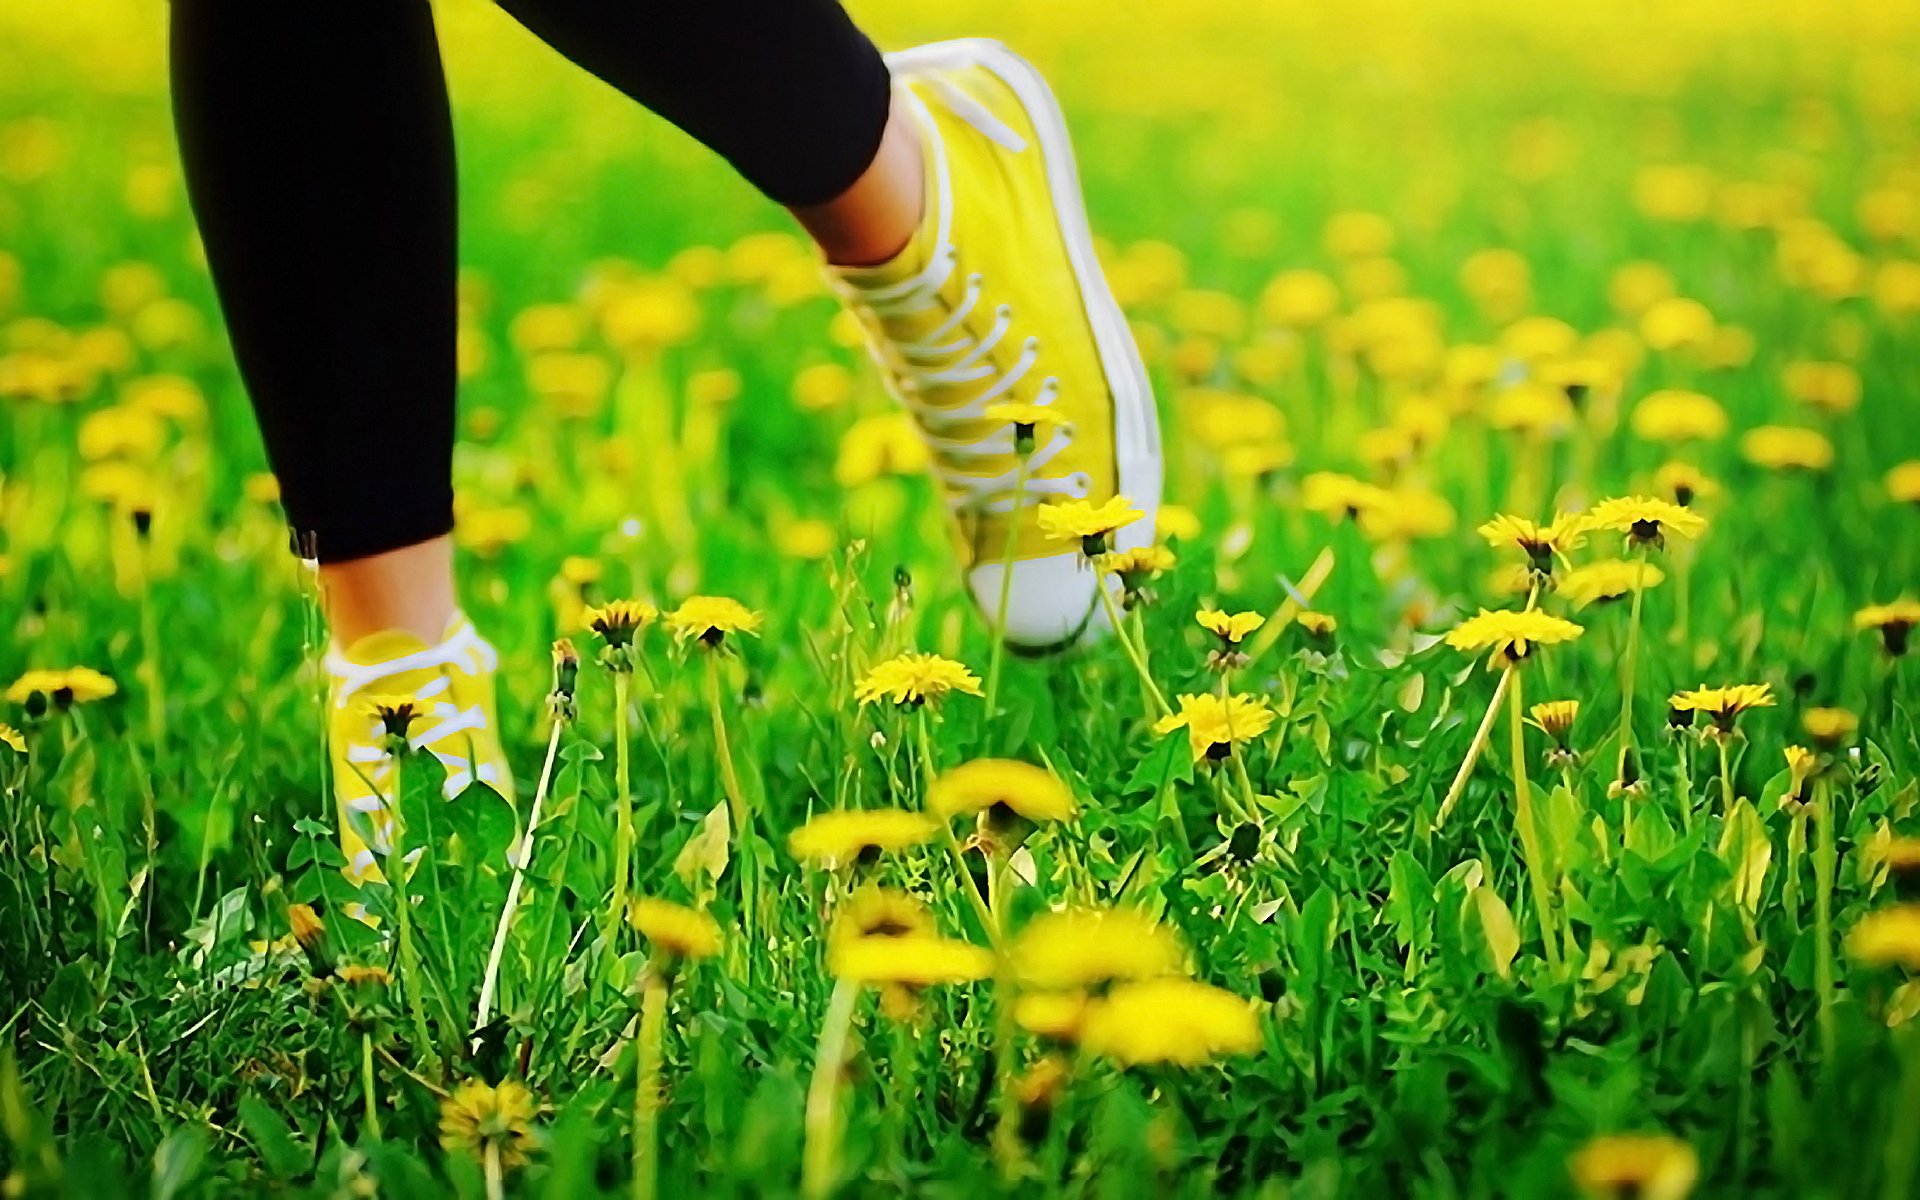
318, 150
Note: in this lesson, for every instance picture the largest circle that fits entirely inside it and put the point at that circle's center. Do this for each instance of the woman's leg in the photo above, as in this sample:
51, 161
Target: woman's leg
790, 92
318, 152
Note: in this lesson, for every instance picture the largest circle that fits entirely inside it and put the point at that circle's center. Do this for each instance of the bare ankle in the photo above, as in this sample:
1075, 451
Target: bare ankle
409, 589
873, 220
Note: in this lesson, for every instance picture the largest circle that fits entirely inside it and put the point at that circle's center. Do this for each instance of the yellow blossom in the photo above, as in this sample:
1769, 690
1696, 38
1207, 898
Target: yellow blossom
1175, 521
1055, 1015
1673, 415
1608, 579
674, 929
884, 444
1089, 524
1903, 482
617, 621
1334, 495
877, 912
74, 685
1555, 717
911, 959
1646, 519
1781, 448
1888, 937
1177, 1021
1511, 635
710, 619
1139, 563
1894, 621
1640, 1166
1722, 705
1080, 948
854, 835
1829, 726
1540, 542
1316, 624
984, 784
1229, 627
11, 739
476, 1117
1830, 386
914, 678
1684, 482
1214, 726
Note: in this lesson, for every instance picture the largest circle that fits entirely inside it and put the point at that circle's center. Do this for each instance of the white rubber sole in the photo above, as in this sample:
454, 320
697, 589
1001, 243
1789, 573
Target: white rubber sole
1136, 422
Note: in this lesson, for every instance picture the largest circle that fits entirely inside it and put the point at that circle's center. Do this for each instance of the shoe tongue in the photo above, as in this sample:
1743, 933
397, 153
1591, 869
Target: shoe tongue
390, 645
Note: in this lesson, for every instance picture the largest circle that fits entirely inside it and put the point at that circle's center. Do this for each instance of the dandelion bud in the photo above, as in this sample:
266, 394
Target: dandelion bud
566, 678
311, 934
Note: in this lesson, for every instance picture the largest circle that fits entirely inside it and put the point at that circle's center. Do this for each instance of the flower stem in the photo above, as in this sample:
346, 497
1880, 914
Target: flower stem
820, 1165
1629, 667
1529, 835
1825, 860
1902, 1151
1726, 779
367, 1092
623, 811
496, 1181
1474, 750
491, 978
1006, 1128
971, 889
1158, 702
999, 652
738, 809
646, 1095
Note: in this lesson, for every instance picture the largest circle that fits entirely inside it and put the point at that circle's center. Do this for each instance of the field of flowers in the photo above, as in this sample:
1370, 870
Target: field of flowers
1505, 783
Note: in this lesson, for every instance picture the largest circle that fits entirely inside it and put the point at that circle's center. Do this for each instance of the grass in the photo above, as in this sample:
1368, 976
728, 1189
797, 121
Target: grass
1453, 992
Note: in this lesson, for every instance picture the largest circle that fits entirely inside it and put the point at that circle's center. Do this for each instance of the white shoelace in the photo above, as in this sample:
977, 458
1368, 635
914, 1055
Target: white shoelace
947, 355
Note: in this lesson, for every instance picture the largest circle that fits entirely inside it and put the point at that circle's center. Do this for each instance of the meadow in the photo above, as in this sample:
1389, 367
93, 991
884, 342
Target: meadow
1504, 785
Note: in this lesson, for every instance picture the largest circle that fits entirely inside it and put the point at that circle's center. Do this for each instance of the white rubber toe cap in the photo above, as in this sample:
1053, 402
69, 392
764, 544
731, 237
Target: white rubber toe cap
1051, 603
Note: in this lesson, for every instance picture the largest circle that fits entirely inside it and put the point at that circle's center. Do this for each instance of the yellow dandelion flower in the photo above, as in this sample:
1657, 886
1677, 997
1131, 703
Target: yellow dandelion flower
1646, 520
1802, 764
1214, 726
356, 976
1555, 718
1830, 386
1511, 636
911, 959
915, 678
477, 1117
1565, 532
1674, 415
1901, 855
1783, 448
1299, 299
675, 930
1894, 621
1316, 624
840, 838
877, 912
1177, 1021
1608, 579
877, 446
1336, 496
1531, 408
11, 739
305, 924
1888, 937
1677, 323
1722, 705
1829, 727
1642, 1166
122, 431
1903, 482
1079, 948
1684, 482
1016, 413
1404, 514
1089, 524
617, 621
63, 688
987, 784
826, 385
1176, 522
1140, 563
710, 619
1229, 627
1055, 1015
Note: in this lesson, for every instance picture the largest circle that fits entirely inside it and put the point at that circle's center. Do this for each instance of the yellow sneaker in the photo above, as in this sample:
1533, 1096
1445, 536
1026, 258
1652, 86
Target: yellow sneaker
999, 298
453, 684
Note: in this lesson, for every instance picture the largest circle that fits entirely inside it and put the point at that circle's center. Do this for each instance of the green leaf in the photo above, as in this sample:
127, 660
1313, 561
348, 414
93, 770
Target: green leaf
176, 1161
285, 1157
